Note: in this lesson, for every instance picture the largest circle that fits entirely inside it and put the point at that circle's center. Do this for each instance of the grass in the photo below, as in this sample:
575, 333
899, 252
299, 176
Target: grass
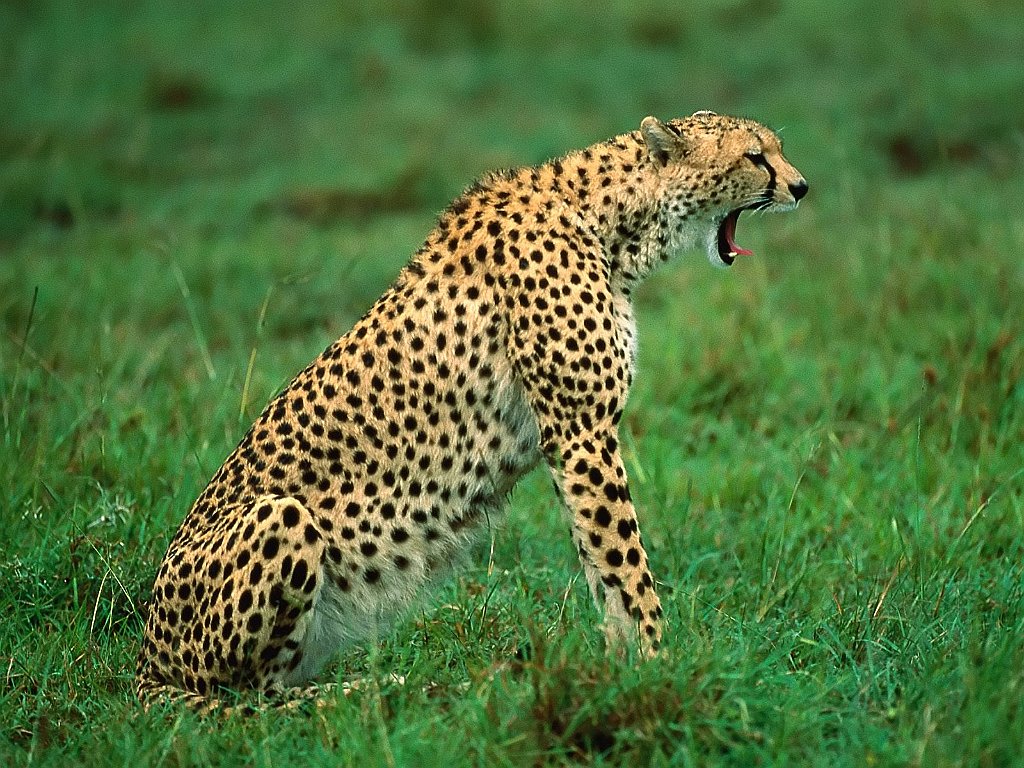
826, 443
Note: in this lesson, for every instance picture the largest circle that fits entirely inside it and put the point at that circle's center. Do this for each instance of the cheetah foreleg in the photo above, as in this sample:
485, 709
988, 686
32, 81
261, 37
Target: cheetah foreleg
593, 485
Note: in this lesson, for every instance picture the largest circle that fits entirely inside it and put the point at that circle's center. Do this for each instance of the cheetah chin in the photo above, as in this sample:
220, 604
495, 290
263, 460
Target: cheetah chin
721, 244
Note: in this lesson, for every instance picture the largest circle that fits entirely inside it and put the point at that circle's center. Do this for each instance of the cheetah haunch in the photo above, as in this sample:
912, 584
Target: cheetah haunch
509, 337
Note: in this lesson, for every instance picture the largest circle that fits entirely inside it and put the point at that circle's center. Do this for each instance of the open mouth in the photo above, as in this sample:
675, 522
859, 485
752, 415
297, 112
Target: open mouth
727, 248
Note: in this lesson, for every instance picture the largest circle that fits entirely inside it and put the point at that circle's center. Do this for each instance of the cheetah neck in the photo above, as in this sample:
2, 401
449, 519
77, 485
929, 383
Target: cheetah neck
612, 187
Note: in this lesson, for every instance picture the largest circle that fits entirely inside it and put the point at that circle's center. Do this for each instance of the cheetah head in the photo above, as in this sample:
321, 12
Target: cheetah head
710, 168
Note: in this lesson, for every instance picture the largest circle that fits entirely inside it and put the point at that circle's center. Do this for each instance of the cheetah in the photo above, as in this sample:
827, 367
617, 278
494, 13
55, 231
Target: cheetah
507, 339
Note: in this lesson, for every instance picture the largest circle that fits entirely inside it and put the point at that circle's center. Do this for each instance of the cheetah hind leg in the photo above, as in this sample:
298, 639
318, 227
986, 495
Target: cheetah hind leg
260, 628
244, 703
253, 703
298, 627
286, 644
317, 695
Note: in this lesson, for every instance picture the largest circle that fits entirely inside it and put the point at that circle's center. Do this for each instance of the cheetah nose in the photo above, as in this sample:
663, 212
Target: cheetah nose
798, 189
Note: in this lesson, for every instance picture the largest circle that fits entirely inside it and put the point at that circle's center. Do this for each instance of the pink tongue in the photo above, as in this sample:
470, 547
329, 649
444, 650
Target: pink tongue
730, 234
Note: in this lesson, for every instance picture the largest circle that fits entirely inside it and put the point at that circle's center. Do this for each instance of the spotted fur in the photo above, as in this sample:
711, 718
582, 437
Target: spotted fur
508, 339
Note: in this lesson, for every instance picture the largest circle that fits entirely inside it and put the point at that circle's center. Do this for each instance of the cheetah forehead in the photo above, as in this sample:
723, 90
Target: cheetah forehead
717, 135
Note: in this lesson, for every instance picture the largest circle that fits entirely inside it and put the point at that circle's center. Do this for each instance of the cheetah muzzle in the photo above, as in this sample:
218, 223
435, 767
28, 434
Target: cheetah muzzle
507, 340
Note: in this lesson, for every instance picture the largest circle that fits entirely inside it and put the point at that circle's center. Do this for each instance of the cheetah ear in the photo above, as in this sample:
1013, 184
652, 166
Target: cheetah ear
660, 139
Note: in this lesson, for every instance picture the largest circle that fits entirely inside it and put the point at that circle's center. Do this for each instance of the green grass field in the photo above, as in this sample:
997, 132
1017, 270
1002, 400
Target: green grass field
826, 442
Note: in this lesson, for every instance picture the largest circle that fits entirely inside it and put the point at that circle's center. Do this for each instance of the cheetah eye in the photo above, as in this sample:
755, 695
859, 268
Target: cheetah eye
757, 158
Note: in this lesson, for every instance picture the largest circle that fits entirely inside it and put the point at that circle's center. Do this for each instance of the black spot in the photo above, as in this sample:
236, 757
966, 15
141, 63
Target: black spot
270, 547
614, 558
299, 573
627, 599
290, 516
255, 574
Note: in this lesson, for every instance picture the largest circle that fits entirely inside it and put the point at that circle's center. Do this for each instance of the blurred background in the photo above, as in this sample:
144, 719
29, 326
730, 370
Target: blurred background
181, 183
195, 199
165, 112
